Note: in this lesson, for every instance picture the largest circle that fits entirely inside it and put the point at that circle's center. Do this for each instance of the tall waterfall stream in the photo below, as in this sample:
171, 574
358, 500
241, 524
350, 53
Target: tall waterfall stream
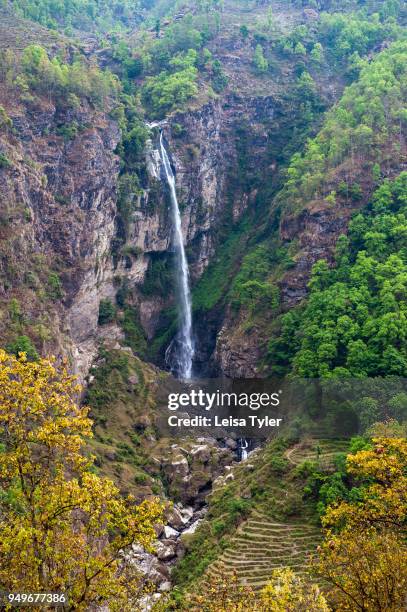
180, 353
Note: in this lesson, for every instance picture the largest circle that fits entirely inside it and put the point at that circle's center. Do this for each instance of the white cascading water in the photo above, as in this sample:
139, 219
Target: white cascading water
182, 355
243, 449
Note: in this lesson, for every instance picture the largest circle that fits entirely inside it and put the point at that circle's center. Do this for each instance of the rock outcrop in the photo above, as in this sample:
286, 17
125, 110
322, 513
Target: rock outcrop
60, 193
189, 470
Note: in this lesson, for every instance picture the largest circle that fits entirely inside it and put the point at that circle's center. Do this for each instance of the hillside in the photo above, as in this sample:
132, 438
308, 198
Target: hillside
260, 519
222, 181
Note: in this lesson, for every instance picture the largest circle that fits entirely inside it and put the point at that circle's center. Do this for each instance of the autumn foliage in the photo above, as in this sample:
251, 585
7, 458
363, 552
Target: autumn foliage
286, 592
364, 555
62, 527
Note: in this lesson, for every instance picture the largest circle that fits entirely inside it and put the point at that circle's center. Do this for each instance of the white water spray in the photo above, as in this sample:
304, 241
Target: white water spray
181, 355
243, 449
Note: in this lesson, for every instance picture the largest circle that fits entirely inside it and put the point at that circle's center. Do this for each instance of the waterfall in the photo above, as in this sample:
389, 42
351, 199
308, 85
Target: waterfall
180, 353
243, 449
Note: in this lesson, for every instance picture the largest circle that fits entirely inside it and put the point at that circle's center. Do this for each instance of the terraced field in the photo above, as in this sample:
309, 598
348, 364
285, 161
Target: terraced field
260, 546
322, 451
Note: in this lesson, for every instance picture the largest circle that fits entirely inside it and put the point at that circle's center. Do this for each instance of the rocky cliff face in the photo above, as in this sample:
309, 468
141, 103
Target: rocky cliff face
216, 158
220, 155
58, 203
62, 192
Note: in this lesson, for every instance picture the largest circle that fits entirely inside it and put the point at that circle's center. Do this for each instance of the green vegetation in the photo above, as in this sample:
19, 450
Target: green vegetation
255, 285
54, 286
260, 62
107, 312
119, 396
81, 14
170, 90
345, 32
133, 332
364, 129
4, 161
354, 322
159, 277
37, 73
23, 344
114, 364
216, 279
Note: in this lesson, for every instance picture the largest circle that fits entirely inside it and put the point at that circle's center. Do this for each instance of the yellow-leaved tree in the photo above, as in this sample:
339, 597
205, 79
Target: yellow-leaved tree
364, 554
285, 592
62, 527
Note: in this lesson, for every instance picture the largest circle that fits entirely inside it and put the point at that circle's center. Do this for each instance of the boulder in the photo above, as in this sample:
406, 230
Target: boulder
133, 380
201, 452
187, 513
193, 527
174, 518
232, 444
169, 532
166, 550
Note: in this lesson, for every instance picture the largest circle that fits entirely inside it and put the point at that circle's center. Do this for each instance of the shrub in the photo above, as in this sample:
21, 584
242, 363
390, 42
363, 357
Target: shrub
107, 312
260, 62
54, 289
4, 161
23, 344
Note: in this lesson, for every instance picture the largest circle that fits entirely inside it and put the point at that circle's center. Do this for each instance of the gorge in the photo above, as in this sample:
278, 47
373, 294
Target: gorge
211, 190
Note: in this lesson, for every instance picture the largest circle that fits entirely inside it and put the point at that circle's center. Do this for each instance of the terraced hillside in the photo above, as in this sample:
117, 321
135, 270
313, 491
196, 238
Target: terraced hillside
261, 545
322, 451
259, 517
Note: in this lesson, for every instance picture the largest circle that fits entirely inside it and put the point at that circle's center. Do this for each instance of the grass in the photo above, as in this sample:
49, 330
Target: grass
119, 397
216, 280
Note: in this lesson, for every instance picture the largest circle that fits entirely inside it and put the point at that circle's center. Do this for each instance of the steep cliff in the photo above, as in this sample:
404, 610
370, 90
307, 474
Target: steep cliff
70, 245
58, 205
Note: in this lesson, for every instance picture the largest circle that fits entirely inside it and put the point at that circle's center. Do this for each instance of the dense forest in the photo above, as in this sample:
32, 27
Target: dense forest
231, 176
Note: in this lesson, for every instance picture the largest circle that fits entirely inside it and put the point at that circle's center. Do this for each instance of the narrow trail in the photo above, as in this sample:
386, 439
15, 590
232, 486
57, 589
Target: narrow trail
322, 452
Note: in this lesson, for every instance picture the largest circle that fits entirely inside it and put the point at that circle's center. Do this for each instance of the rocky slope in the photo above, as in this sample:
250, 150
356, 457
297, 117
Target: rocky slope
58, 208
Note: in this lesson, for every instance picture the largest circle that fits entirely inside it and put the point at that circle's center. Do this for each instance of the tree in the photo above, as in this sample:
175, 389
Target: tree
219, 78
364, 553
259, 60
285, 592
165, 92
107, 312
369, 413
62, 527
270, 19
299, 49
317, 53
244, 31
